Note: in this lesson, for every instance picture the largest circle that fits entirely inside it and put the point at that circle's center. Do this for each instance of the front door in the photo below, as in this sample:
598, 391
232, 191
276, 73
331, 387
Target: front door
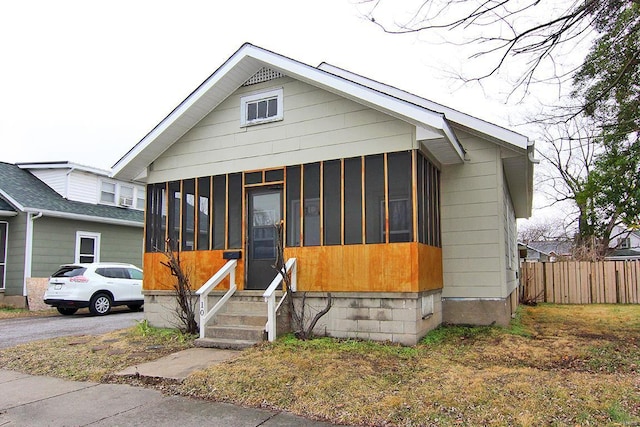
264, 212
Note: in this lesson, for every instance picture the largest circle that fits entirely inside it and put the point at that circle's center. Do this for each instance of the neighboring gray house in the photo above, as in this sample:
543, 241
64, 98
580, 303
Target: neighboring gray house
60, 212
546, 251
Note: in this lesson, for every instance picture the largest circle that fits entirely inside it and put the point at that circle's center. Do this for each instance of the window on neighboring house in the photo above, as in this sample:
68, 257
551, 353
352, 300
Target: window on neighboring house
87, 247
126, 196
140, 198
624, 243
261, 107
4, 226
108, 192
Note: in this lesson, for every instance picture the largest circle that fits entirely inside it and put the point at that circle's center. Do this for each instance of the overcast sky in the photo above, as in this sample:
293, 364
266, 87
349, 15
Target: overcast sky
84, 81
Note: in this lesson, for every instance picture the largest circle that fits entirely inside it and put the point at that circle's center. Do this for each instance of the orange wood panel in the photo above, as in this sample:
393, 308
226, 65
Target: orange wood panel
200, 265
398, 267
429, 267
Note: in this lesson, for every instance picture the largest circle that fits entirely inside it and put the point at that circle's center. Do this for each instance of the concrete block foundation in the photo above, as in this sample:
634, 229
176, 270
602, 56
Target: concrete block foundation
402, 318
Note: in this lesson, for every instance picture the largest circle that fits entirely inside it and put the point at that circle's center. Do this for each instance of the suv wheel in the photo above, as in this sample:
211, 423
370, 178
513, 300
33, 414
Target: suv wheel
67, 311
100, 304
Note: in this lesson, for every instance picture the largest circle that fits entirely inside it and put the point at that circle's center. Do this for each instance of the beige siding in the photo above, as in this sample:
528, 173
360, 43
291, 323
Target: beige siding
510, 242
472, 223
317, 125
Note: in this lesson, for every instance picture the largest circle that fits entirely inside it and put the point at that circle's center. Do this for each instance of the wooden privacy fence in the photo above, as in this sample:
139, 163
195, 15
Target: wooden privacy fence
580, 282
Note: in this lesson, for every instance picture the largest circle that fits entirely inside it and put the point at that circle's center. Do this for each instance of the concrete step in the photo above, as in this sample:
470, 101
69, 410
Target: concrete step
226, 343
238, 332
238, 319
242, 306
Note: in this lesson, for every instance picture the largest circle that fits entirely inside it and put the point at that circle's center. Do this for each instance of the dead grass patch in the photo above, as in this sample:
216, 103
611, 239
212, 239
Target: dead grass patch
556, 365
560, 367
8, 312
92, 357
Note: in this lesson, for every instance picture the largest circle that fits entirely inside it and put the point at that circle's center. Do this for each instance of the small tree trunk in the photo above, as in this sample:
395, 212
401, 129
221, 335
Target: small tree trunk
297, 316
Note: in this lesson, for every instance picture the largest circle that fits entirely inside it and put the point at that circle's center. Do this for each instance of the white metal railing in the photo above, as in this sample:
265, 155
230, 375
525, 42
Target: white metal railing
270, 296
229, 269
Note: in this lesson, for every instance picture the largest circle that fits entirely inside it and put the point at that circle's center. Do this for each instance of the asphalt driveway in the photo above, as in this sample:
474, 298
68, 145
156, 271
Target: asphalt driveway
26, 329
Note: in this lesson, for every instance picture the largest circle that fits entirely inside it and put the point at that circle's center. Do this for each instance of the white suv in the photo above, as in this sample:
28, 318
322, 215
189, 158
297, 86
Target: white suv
99, 286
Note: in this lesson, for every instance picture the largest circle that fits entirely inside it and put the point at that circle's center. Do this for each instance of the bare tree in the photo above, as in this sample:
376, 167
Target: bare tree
528, 37
301, 325
568, 152
543, 230
185, 309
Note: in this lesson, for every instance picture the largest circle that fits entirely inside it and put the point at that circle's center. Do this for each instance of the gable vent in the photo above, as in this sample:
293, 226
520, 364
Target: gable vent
264, 74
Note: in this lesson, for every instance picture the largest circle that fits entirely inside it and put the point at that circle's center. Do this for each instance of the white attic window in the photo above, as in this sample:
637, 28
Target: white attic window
261, 107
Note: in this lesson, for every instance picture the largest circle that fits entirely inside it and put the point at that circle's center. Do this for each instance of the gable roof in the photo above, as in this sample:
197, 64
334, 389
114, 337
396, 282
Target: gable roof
434, 123
518, 170
23, 192
469, 123
556, 247
241, 66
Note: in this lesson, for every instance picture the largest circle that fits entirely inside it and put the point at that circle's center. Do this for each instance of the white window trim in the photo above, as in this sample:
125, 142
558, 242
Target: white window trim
625, 243
4, 261
88, 235
127, 202
257, 96
115, 192
131, 202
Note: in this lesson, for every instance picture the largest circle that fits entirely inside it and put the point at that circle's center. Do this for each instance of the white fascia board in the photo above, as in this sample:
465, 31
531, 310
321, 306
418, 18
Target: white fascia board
178, 112
11, 200
5, 214
394, 106
343, 86
172, 127
89, 218
455, 116
64, 165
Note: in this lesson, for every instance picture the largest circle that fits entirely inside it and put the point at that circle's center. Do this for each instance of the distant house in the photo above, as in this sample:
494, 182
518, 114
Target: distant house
624, 244
402, 208
60, 212
545, 251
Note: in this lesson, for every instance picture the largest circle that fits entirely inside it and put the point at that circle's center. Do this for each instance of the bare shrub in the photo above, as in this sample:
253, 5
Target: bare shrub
185, 309
300, 324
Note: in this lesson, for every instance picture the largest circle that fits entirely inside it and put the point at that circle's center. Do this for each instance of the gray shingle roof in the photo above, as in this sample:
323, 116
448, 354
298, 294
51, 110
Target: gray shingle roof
31, 193
4, 206
547, 247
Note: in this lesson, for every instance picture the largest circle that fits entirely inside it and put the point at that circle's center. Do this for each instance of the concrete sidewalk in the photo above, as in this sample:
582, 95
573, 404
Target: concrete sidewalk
178, 366
29, 400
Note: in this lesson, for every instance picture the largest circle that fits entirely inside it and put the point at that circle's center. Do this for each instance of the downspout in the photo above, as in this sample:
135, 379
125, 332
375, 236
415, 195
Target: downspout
28, 249
66, 183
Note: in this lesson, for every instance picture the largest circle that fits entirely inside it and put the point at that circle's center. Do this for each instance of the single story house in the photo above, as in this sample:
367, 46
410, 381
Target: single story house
403, 209
546, 251
57, 213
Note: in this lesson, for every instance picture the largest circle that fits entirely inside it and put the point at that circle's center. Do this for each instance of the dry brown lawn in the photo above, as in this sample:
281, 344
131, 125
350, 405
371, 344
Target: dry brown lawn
7, 312
556, 365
